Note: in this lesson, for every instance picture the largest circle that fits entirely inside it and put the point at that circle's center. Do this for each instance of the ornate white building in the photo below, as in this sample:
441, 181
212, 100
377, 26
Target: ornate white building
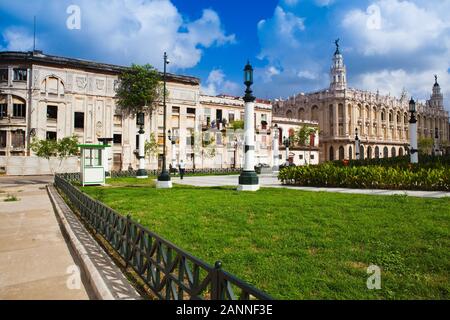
50, 97
382, 121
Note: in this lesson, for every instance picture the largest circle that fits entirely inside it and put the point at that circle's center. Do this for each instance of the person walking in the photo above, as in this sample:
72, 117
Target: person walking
182, 168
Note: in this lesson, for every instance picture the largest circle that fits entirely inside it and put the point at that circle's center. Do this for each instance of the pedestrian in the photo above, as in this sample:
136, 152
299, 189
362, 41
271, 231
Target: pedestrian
182, 168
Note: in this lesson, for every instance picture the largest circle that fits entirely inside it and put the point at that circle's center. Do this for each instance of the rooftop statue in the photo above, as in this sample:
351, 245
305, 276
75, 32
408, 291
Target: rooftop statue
337, 46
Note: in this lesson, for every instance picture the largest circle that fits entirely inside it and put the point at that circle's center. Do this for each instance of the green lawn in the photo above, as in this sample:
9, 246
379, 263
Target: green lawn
302, 245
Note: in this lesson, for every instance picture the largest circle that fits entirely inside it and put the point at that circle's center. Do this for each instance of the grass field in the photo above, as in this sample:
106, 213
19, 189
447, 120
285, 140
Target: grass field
301, 245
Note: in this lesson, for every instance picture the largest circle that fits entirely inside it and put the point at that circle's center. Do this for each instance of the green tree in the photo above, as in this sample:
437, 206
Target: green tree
61, 149
302, 135
425, 145
151, 146
238, 124
139, 90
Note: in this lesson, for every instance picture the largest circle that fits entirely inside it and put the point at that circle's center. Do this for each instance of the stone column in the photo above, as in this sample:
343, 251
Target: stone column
141, 173
413, 139
336, 119
248, 180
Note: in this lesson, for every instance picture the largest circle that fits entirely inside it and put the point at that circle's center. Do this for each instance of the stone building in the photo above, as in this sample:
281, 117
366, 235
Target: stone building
50, 97
298, 154
382, 120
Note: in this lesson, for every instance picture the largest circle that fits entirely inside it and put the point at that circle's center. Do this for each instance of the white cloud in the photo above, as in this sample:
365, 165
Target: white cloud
306, 74
17, 39
403, 27
216, 84
129, 31
324, 3
409, 46
280, 30
419, 84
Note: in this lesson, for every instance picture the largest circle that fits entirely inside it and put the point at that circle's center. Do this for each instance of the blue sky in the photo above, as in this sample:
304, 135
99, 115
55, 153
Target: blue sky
388, 45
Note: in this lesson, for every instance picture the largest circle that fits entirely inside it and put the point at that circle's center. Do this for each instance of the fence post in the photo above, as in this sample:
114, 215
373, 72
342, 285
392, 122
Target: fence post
216, 290
127, 236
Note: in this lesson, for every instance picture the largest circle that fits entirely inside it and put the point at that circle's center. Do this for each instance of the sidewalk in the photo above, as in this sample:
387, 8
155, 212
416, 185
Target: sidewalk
35, 260
269, 181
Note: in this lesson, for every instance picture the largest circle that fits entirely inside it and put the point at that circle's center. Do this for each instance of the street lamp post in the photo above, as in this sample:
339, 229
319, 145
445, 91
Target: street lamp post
413, 132
164, 181
357, 145
172, 139
286, 143
248, 180
276, 150
141, 173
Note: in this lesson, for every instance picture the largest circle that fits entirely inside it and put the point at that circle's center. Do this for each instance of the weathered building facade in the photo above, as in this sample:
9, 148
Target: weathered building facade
382, 121
50, 97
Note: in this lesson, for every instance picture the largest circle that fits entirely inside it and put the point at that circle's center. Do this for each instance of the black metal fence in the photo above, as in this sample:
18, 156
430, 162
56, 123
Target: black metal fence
170, 272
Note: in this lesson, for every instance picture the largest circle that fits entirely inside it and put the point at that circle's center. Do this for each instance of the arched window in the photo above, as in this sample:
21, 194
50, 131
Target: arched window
383, 116
385, 152
315, 113
289, 114
341, 153
390, 116
369, 152
393, 152
400, 152
331, 153
361, 152
377, 152
301, 114
350, 153
341, 111
52, 85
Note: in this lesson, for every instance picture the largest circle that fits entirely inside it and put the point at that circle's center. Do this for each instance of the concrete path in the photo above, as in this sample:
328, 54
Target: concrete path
270, 181
35, 260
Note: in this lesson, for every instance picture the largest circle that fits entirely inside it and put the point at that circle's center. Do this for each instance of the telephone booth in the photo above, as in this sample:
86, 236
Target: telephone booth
92, 164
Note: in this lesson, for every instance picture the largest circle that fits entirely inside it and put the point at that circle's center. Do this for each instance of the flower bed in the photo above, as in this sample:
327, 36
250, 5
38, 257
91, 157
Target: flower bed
369, 177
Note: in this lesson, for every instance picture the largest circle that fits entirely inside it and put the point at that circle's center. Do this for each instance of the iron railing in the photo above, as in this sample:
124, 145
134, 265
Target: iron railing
170, 272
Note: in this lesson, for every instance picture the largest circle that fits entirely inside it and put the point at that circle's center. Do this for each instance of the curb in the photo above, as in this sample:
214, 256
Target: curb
97, 283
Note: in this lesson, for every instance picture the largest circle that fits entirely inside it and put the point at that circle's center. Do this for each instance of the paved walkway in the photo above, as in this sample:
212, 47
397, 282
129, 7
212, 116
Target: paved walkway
35, 259
270, 181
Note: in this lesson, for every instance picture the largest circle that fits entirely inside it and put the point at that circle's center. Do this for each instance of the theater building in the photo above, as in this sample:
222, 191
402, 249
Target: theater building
382, 120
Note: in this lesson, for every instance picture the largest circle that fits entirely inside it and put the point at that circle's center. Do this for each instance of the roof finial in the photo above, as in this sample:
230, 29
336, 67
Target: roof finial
435, 78
336, 42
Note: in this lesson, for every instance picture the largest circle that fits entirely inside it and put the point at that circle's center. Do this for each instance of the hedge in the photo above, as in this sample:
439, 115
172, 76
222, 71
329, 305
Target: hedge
426, 161
368, 177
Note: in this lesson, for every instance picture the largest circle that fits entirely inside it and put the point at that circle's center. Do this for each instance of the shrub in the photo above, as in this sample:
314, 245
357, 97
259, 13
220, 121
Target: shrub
368, 177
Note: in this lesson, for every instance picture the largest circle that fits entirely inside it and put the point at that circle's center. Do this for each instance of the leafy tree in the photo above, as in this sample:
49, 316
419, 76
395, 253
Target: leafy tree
61, 149
151, 146
425, 145
302, 135
139, 90
238, 124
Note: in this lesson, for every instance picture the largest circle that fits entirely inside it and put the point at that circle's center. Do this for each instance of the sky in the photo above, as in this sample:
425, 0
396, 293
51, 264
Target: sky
388, 45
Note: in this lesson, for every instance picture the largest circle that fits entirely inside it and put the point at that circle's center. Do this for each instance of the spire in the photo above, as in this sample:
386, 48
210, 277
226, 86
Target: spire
338, 73
437, 98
